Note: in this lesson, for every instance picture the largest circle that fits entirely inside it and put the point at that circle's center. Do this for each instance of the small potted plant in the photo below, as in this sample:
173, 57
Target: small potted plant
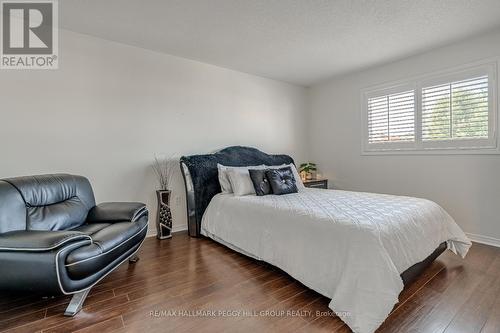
307, 170
164, 169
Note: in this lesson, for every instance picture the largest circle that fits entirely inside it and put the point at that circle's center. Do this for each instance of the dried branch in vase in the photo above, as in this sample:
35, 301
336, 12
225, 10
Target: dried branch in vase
164, 169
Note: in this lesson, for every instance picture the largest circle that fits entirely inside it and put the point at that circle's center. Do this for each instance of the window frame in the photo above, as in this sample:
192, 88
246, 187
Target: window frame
453, 146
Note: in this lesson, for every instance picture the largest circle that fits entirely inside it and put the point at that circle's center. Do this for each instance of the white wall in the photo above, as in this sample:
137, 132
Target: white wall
110, 107
467, 186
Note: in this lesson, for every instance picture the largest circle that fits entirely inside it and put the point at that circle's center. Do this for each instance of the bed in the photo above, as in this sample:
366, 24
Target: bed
358, 249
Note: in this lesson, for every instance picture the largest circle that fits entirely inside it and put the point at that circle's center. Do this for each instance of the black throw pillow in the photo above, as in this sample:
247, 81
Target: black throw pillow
282, 180
260, 182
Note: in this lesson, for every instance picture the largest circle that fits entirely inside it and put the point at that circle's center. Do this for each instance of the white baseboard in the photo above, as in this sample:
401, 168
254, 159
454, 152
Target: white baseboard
484, 239
174, 229
473, 237
179, 228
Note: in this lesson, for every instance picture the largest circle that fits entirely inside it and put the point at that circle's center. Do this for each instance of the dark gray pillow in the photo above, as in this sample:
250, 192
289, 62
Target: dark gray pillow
260, 182
282, 180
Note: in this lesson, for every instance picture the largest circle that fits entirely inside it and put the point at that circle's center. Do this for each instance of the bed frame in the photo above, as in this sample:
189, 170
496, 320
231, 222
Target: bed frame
202, 184
201, 177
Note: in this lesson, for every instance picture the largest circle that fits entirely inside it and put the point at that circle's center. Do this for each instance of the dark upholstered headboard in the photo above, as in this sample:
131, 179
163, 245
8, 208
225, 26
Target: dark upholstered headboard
201, 177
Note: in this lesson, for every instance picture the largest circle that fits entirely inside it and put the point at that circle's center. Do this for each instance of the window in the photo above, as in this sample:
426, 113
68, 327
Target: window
455, 110
450, 112
391, 118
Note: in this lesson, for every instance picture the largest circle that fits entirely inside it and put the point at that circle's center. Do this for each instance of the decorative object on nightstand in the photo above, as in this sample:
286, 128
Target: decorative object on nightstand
316, 183
307, 170
164, 170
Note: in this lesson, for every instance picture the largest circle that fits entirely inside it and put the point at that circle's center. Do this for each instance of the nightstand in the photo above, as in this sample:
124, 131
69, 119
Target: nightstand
316, 183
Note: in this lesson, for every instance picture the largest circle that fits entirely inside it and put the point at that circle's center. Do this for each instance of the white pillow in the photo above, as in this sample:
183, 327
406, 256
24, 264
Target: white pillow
241, 183
298, 180
225, 185
223, 171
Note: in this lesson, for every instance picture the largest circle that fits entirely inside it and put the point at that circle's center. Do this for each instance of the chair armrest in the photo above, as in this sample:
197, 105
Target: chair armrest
38, 241
117, 212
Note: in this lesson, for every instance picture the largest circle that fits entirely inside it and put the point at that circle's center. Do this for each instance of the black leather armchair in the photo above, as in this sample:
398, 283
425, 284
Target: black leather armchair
54, 239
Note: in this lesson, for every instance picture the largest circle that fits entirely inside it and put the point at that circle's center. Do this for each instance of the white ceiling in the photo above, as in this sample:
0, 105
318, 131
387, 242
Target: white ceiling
298, 41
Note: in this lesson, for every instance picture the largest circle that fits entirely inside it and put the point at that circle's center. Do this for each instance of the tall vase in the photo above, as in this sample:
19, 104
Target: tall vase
164, 215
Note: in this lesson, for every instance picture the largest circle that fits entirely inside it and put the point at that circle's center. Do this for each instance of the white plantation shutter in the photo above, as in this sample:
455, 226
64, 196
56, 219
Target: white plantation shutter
391, 118
456, 110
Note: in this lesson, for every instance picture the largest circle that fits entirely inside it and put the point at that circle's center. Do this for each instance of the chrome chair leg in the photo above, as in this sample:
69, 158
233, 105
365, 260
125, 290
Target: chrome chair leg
76, 303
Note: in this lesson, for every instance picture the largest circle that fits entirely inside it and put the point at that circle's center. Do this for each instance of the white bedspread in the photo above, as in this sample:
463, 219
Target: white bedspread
348, 246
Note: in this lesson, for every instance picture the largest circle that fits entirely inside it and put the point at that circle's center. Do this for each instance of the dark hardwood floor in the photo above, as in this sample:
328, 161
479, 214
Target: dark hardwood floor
186, 275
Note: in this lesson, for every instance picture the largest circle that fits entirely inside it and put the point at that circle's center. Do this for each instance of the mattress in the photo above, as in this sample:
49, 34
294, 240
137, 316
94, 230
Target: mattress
349, 246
